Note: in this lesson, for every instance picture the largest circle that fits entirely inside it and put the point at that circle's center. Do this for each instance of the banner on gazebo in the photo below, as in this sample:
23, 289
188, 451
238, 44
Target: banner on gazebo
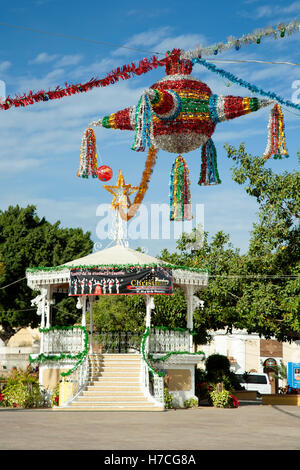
107, 281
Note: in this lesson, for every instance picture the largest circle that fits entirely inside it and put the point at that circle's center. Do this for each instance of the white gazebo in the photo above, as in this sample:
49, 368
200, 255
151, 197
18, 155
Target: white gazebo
62, 349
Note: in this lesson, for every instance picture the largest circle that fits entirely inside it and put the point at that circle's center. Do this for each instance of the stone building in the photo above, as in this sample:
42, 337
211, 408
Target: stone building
251, 353
16, 352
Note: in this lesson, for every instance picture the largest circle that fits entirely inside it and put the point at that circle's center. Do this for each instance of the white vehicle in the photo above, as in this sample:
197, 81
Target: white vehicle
258, 382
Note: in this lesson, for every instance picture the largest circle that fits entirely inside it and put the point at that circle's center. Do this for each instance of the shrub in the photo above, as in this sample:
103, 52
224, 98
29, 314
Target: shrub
234, 401
22, 390
168, 399
55, 396
191, 403
3, 401
223, 399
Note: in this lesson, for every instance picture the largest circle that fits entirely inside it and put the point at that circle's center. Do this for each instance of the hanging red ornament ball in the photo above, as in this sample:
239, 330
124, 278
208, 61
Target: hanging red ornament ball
104, 173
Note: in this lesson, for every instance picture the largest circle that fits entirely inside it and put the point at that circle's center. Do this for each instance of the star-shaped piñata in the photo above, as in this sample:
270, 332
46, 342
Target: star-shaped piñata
121, 192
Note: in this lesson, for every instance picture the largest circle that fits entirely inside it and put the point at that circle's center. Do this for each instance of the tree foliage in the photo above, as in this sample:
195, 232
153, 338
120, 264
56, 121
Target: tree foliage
26, 240
258, 291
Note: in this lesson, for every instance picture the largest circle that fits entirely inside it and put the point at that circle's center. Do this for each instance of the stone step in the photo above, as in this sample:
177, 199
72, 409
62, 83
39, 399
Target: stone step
112, 407
115, 381
115, 366
124, 388
113, 393
114, 363
119, 373
111, 399
119, 357
119, 403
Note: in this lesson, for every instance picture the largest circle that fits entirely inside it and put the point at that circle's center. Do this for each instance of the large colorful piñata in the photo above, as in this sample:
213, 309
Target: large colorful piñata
179, 114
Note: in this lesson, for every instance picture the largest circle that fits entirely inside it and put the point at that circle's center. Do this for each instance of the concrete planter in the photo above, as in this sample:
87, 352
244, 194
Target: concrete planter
293, 400
245, 394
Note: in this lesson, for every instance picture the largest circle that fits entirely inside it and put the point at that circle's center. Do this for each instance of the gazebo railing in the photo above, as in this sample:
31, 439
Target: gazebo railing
62, 340
163, 340
152, 381
74, 381
122, 342
68, 346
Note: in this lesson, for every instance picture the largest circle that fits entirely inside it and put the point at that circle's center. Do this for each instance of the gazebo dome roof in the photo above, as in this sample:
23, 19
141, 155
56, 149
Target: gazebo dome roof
115, 255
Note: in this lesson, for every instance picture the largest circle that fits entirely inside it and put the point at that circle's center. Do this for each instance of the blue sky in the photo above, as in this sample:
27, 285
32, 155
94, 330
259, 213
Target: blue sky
39, 155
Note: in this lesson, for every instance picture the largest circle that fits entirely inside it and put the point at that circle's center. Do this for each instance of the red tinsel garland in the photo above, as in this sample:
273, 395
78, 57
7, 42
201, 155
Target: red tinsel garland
125, 72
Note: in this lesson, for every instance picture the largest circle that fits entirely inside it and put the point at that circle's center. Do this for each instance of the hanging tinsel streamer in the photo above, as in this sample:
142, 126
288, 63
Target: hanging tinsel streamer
180, 197
276, 139
209, 171
88, 155
144, 125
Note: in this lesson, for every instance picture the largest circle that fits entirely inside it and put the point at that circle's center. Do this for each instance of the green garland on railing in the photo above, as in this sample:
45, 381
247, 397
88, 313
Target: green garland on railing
182, 330
115, 267
152, 370
50, 357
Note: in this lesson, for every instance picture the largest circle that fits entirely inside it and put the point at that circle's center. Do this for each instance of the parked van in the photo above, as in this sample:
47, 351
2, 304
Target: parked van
258, 382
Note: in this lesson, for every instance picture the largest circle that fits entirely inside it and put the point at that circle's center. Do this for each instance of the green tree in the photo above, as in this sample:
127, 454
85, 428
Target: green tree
119, 313
258, 291
271, 299
26, 240
128, 312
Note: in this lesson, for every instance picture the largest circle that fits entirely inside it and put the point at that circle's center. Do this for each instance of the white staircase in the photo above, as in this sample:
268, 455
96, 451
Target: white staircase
114, 385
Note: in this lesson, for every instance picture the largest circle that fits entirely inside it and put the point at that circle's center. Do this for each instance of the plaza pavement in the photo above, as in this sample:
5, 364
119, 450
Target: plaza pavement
249, 427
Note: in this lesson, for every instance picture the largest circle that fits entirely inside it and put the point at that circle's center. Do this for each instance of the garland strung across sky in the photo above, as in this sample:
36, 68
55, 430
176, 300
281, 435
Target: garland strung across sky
145, 65
280, 31
178, 114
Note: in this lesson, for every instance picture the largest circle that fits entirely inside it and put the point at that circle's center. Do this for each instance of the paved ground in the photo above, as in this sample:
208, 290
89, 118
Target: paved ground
248, 427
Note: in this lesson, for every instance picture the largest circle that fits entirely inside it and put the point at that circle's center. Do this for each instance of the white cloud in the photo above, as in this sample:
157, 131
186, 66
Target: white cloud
160, 40
146, 40
11, 166
68, 60
270, 11
43, 58
4, 66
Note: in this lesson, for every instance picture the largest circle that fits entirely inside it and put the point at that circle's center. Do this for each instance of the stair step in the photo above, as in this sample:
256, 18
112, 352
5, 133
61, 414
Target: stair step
110, 408
112, 389
113, 380
111, 399
116, 367
116, 392
113, 403
118, 357
119, 374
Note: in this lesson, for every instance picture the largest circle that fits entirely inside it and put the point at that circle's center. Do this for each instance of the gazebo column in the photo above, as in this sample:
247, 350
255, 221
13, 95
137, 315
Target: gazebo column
47, 306
149, 307
40, 302
189, 297
81, 304
83, 318
91, 302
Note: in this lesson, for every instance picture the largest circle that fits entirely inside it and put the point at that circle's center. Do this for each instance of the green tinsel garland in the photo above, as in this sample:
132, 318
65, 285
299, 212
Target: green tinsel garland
115, 267
152, 371
182, 330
